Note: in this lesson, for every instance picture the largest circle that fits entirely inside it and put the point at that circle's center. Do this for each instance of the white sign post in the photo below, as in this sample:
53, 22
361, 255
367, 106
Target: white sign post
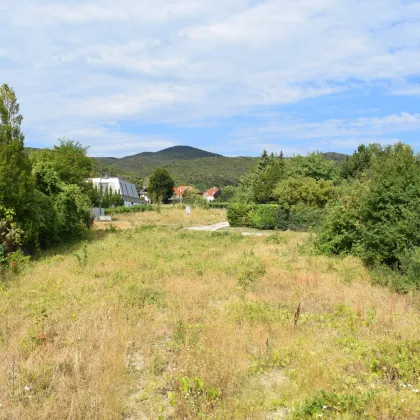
188, 210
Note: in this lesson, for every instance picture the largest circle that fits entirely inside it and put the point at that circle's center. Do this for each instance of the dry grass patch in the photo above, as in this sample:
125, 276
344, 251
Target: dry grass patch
168, 216
158, 322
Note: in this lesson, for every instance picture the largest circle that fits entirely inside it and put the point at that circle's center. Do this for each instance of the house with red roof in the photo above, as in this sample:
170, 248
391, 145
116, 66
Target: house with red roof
211, 194
179, 191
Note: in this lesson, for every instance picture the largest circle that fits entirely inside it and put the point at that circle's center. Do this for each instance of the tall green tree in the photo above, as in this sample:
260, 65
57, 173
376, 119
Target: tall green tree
160, 185
16, 186
246, 189
266, 181
68, 160
354, 166
378, 219
314, 166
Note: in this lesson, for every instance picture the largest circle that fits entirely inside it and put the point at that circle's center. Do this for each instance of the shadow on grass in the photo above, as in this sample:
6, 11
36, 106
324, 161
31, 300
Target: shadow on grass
68, 246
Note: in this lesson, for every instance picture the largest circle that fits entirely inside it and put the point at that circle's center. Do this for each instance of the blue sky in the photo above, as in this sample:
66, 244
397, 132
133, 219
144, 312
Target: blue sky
233, 77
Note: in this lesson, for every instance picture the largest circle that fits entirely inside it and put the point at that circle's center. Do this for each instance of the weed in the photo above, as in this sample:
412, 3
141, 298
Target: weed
276, 239
138, 296
336, 404
82, 258
250, 270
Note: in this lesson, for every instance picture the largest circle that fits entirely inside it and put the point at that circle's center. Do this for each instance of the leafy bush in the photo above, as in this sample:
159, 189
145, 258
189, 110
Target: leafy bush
11, 237
265, 217
341, 404
304, 190
218, 205
137, 208
304, 218
73, 211
241, 214
273, 216
378, 220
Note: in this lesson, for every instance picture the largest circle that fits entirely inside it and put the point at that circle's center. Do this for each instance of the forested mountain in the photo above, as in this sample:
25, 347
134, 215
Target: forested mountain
186, 165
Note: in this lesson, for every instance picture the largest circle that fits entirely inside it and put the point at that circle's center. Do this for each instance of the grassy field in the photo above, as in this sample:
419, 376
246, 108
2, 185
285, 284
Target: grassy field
158, 322
169, 216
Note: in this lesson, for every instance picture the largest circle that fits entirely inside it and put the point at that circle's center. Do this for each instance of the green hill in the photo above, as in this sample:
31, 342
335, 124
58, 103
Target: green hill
187, 165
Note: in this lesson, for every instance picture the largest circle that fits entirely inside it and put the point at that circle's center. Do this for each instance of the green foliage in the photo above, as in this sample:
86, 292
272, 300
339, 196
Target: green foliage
265, 217
217, 204
378, 219
137, 208
359, 162
240, 214
81, 258
73, 212
275, 359
66, 163
312, 166
273, 216
304, 218
192, 196
270, 173
108, 198
228, 193
395, 361
11, 237
336, 404
138, 296
16, 184
251, 268
160, 185
304, 190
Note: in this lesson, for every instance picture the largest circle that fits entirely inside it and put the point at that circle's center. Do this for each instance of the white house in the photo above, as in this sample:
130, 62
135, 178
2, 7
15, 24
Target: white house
211, 194
127, 190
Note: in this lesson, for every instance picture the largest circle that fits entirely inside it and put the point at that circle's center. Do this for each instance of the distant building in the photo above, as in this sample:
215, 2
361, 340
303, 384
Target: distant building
211, 194
144, 197
127, 190
179, 191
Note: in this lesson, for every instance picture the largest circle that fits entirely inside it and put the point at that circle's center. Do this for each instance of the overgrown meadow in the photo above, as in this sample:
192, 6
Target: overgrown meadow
158, 322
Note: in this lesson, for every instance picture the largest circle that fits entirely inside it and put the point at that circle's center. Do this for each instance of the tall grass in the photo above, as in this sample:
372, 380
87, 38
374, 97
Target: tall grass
159, 322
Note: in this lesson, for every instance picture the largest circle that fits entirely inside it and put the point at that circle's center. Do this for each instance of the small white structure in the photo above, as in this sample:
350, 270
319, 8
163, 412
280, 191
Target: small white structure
144, 197
127, 190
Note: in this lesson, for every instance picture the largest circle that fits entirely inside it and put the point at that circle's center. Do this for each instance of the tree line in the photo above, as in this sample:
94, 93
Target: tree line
369, 207
45, 198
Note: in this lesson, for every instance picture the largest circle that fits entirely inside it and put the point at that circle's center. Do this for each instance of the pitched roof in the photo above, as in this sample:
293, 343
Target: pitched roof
180, 190
211, 192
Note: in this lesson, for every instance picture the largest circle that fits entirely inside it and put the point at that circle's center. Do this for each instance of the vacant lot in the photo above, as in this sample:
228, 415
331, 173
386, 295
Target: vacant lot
154, 322
168, 216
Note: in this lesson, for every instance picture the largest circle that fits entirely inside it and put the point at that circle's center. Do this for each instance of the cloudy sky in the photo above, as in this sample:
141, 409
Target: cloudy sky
229, 76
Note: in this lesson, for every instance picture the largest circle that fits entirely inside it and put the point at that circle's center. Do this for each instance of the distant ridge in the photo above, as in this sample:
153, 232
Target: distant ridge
186, 164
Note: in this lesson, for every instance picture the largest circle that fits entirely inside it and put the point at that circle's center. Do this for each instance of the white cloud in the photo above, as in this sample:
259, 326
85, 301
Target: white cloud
180, 62
327, 135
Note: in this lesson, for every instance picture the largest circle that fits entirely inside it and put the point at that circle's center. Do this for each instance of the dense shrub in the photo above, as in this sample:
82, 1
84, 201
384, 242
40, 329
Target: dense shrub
265, 217
241, 214
73, 212
11, 237
304, 218
273, 216
304, 190
218, 205
137, 208
378, 220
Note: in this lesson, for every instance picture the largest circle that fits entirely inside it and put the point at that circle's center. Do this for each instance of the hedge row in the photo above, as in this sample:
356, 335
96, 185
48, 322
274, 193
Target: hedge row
137, 208
218, 205
273, 216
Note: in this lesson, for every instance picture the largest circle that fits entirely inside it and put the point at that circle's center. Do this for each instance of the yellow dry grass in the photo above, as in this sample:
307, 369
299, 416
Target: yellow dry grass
155, 322
168, 216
